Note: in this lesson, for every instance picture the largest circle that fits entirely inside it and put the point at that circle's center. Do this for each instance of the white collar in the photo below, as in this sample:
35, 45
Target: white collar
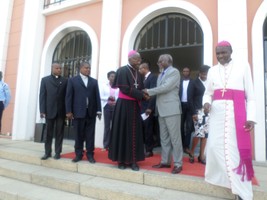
83, 76
148, 73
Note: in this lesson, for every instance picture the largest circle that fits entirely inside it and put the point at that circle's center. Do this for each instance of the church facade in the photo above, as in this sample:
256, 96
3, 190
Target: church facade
36, 33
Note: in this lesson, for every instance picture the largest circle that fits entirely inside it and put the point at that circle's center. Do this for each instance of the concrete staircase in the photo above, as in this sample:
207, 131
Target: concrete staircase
23, 176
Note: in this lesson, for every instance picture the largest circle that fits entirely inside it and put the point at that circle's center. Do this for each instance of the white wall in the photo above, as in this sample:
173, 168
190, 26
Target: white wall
109, 51
232, 26
259, 81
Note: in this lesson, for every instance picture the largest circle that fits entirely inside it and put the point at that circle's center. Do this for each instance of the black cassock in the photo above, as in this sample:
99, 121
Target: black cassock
126, 132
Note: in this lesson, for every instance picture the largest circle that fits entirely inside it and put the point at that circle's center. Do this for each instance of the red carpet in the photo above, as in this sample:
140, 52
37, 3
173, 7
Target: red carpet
190, 169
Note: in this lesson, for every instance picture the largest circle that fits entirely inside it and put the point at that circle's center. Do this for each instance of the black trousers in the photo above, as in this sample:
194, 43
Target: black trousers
186, 125
56, 126
148, 128
85, 132
108, 116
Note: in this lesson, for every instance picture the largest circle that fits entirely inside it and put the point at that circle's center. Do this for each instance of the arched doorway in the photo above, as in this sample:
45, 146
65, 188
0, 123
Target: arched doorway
173, 33
265, 73
73, 48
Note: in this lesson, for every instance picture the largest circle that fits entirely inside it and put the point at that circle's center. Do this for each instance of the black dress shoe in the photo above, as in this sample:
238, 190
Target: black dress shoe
149, 154
176, 170
161, 165
91, 159
76, 159
46, 156
57, 156
121, 165
135, 167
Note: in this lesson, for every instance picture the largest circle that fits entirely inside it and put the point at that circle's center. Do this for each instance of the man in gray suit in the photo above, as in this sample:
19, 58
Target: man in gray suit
168, 106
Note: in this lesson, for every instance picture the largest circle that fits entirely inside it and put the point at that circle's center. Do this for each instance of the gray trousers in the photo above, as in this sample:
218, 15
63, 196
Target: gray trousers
170, 139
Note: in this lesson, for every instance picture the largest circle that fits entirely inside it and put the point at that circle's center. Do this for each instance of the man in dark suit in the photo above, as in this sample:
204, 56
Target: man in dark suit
186, 120
52, 108
83, 105
148, 107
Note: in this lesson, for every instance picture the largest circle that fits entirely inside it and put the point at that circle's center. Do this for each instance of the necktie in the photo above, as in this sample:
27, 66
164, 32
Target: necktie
162, 74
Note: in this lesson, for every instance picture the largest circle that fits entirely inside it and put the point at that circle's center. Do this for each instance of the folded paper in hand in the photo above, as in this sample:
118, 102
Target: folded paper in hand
144, 116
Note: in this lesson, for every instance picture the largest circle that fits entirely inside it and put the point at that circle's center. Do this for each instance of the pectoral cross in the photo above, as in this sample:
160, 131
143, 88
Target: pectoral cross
136, 84
223, 91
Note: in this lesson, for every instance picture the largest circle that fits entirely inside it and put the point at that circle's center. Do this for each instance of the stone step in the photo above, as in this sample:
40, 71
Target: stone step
83, 185
11, 189
29, 153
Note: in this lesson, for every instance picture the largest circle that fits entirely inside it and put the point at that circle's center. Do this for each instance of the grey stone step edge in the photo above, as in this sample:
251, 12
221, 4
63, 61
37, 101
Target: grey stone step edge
81, 184
144, 177
11, 189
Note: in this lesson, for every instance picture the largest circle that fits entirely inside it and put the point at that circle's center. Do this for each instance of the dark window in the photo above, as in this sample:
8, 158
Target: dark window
170, 30
173, 33
73, 49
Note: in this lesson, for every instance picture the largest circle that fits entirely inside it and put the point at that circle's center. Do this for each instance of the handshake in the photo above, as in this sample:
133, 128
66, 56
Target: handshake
145, 95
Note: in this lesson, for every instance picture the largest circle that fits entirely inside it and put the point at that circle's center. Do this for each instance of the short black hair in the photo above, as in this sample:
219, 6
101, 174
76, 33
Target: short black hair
85, 63
111, 72
204, 68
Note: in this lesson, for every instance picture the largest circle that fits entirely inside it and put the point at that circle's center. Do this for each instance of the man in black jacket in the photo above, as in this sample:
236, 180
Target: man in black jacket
52, 108
148, 107
186, 120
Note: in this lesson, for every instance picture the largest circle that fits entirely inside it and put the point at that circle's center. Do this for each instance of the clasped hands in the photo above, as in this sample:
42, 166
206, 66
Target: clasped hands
145, 94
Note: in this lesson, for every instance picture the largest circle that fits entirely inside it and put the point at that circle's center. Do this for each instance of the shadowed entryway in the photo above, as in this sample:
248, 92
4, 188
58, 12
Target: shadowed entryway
175, 34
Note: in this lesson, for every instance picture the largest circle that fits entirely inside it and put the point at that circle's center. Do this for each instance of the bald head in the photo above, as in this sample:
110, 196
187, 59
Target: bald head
134, 59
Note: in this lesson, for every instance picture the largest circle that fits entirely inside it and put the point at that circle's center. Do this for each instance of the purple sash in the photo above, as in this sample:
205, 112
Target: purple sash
243, 137
124, 96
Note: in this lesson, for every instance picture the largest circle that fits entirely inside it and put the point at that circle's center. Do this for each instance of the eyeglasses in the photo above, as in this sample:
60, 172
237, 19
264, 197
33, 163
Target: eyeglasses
160, 62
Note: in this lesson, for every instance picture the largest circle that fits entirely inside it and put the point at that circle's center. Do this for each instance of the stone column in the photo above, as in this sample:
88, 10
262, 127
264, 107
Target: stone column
110, 38
28, 70
109, 54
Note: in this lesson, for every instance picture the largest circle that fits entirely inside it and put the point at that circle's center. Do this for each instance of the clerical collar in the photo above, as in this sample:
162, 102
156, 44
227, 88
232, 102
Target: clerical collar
55, 76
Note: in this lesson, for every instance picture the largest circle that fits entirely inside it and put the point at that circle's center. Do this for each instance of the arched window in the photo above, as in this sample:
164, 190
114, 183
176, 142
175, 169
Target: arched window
73, 49
173, 33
